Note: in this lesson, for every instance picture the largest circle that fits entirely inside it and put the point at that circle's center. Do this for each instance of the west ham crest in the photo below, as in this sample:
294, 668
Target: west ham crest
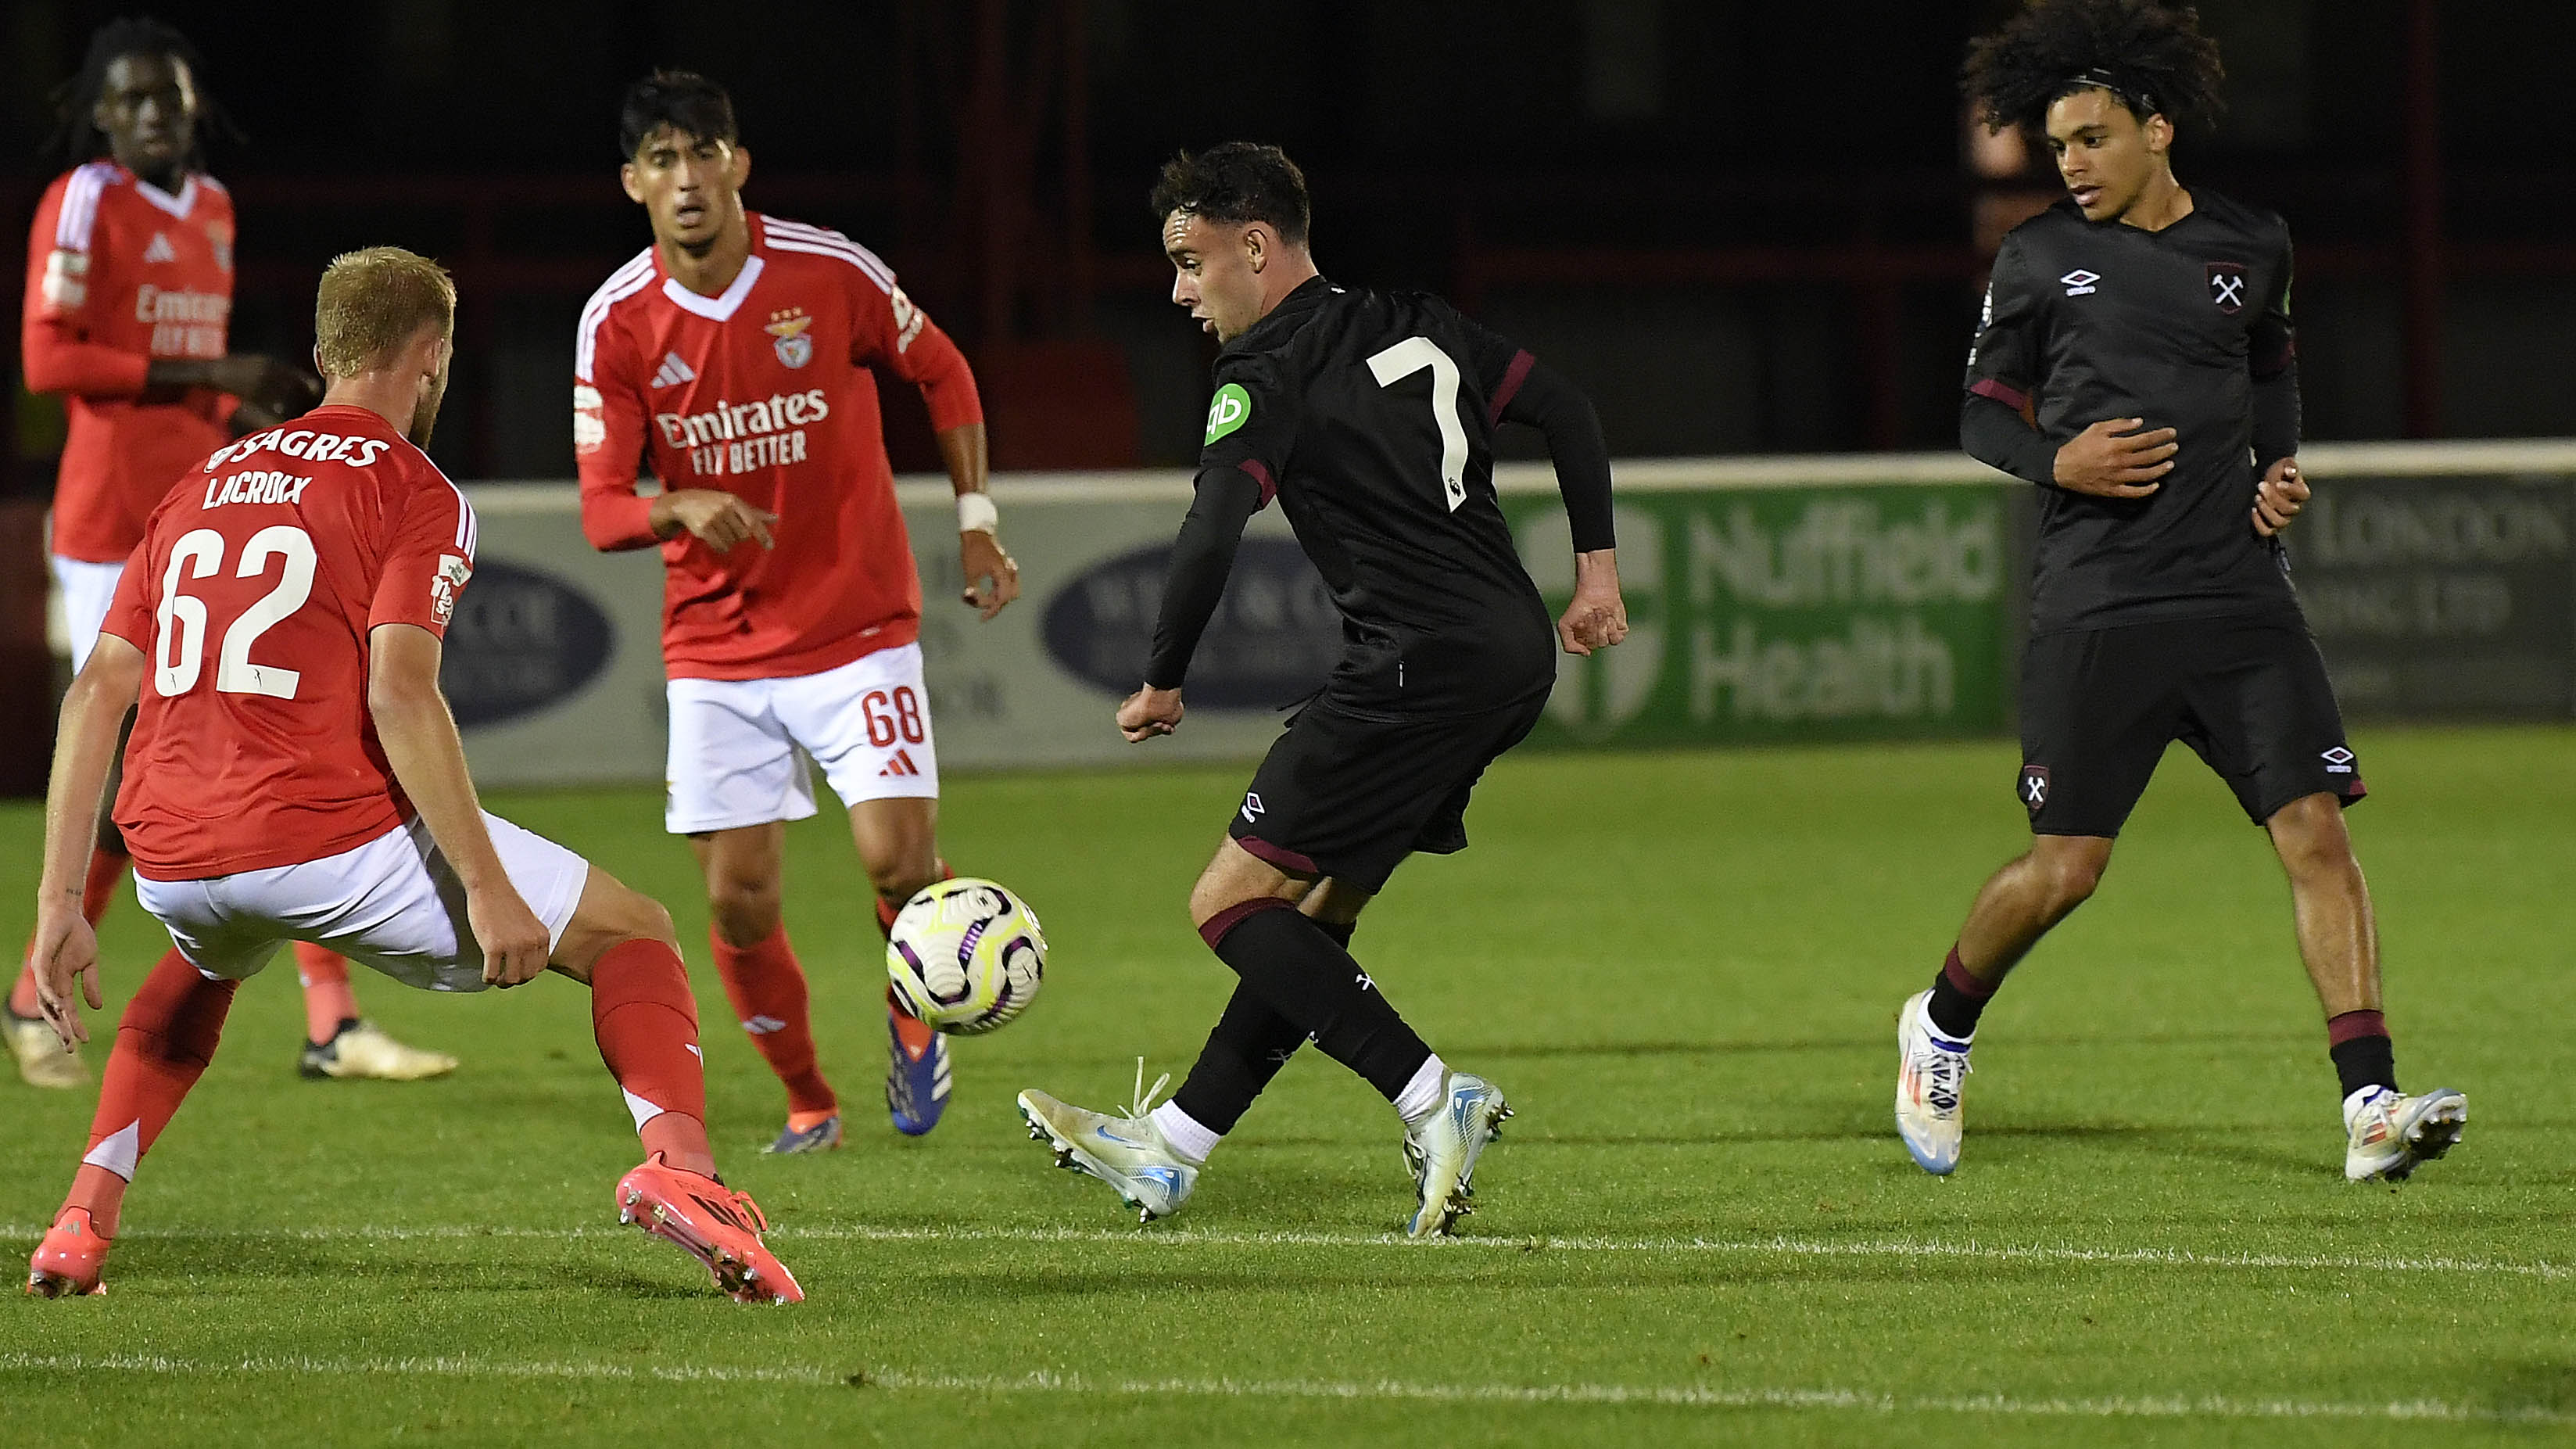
2227, 284
795, 348
2034, 787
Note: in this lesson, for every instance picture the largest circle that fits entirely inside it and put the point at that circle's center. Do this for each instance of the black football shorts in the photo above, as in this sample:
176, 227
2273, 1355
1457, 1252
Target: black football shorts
1350, 798
2249, 694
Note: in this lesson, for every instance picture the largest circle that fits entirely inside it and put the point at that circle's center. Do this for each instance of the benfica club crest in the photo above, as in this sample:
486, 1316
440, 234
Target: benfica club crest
795, 348
2227, 285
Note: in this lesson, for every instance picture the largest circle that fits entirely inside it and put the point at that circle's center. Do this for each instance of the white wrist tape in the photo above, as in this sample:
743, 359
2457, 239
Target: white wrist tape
976, 514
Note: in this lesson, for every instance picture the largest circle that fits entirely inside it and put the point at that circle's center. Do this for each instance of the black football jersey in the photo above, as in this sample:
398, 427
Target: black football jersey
1370, 416
2086, 321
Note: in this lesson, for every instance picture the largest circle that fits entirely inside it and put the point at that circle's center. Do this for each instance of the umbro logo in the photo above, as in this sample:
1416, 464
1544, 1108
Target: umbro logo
2079, 283
674, 371
901, 766
160, 250
2338, 761
1252, 809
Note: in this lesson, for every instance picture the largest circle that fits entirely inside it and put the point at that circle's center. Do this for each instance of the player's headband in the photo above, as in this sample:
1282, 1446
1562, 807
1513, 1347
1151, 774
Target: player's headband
2134, 97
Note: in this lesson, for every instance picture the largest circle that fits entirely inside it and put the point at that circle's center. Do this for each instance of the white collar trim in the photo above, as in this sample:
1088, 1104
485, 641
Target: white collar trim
178, 205
716, 309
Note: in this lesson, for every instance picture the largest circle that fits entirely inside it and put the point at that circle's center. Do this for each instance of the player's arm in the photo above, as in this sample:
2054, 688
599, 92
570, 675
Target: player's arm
2112, 458
1202, 558
1539, 396
902, 336
2273, 357
608, 438
405, 628
93, 716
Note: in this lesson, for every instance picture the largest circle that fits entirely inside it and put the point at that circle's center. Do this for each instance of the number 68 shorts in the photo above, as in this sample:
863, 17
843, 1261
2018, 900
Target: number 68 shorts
734, 742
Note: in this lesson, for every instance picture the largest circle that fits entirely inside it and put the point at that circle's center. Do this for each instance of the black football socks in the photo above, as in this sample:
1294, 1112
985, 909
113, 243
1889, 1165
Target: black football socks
1303, 974
1958, 999
2363, 1055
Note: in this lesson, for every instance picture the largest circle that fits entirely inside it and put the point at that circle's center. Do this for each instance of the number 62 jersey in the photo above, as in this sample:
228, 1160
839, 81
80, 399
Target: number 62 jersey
252, 596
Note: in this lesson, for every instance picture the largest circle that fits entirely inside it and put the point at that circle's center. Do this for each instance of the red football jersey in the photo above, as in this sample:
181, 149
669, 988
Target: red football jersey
252, 596
763, 392
120, 272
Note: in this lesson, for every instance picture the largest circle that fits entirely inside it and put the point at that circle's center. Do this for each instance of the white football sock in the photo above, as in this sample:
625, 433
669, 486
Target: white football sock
2353, 1104
1189, 1140
1421, 1096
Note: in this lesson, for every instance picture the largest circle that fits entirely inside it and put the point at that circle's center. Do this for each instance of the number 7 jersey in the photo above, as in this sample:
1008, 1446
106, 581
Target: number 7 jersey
252, 596
1370, 416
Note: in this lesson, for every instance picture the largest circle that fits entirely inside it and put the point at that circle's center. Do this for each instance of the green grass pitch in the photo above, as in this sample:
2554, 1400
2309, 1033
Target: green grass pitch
1683, 967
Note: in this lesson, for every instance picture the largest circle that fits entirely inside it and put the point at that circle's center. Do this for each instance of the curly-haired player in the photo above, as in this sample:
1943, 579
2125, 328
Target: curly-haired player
2135, 363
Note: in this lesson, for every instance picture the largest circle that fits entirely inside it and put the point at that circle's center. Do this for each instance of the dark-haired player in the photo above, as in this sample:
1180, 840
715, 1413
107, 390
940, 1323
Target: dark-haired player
731, 357
129, 293
1369, 416
295, 775
2135, 362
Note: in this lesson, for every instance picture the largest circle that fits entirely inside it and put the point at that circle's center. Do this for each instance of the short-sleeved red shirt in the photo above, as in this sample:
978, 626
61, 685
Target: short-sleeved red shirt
252, 596
764, 392
120, 273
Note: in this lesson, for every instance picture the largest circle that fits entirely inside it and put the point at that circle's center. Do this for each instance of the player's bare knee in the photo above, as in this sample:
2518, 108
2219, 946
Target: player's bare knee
2310, 836
2070, 869
745, 911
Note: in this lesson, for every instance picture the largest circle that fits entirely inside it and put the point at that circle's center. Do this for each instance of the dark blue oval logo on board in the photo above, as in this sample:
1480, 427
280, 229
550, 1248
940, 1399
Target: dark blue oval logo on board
1273, 641
520, 641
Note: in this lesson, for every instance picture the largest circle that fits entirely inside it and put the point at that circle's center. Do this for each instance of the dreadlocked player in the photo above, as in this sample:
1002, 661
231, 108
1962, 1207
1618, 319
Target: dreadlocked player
129, 296
2135, 364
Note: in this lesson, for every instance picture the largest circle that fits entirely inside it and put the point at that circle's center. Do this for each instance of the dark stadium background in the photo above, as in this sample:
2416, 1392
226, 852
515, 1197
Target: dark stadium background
1747, 227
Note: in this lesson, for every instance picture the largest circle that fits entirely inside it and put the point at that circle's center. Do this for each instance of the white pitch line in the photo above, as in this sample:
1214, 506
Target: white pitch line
1680, 1396
1155, 1238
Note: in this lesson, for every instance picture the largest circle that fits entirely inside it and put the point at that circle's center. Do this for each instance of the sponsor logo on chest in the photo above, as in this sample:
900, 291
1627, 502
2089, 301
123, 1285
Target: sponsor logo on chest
184, 323
734, 438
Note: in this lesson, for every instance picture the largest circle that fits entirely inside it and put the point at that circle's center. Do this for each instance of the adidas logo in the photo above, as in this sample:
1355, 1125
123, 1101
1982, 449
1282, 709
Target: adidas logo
674, 371
901, 764
160, 250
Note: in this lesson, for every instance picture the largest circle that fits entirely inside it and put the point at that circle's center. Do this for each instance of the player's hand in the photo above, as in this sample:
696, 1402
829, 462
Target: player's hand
1149, 712
716, 518
2116, 458
2279, 497
269, 391
65, 948
992, 579
514, 941
1598, 617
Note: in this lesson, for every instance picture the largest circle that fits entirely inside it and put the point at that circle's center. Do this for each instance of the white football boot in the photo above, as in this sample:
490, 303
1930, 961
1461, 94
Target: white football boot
1442, 1150
1128, 1152
2390, 1134
1931, 1071
42, 1062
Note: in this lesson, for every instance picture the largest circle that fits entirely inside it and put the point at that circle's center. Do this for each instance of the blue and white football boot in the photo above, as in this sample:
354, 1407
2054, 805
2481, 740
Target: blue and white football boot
1931, 1071
1128, 1151
1442, 1150
917, 1075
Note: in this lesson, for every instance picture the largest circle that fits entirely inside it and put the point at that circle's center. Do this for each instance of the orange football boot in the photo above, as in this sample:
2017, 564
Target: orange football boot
68, 1262
717, 1225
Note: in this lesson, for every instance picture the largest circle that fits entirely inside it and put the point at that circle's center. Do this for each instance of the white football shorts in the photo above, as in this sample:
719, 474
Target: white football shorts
393, 903
87, 589
734, 742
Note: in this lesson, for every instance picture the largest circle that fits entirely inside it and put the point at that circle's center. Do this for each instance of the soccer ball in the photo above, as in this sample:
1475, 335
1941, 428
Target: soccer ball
966, 955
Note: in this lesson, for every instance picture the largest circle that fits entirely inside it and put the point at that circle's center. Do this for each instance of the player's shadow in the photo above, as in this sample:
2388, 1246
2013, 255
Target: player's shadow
2540, 1388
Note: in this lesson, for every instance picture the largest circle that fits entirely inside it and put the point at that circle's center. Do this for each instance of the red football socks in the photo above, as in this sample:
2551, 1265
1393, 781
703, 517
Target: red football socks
328, 1001
767, 989
647, 1025
162, 1046
98, 890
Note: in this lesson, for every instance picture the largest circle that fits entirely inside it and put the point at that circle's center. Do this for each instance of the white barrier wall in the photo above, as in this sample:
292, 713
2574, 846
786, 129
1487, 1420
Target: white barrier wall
2439, 582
